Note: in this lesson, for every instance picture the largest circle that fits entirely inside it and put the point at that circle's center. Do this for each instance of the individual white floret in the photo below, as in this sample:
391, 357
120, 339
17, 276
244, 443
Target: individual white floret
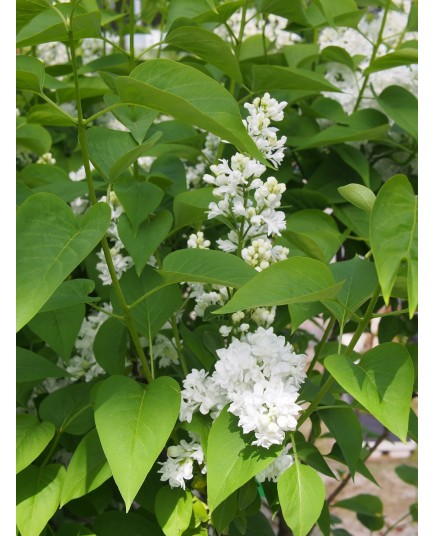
121, 263
197, 241
164, 350
201, 393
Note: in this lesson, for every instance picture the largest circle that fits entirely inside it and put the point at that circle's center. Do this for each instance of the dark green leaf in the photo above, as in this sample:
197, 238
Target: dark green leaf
369, 505
124, 405
401, 106
70, 293
355, 159
115, 523
45, 114
33, 367
34, 138
110, 346
190, 206
32, 436
407, 474
30, 73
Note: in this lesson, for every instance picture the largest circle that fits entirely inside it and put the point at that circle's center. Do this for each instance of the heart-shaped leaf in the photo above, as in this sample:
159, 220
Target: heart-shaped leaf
31, 439
382, 382
125, 406
51, 242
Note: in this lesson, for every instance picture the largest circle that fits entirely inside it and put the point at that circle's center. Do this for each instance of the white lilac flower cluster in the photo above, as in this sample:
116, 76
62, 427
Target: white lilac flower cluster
195, 173
361, 42
52, 53
164, 351
179, 464
259, 375
46, 158
121, 262
272, 26
277, 467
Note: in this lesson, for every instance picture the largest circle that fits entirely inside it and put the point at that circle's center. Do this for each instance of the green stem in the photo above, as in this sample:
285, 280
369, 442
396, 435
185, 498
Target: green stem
58, 108
392, 313
159, 43
178, 345
132, 28
92, 195
108, 313
54, 444
102, 112
321, 344
114, 45
330, 380
397, 522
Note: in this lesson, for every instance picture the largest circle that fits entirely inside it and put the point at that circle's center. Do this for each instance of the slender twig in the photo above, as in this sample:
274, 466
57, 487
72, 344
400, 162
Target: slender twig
102, 112
321, 344
178, 345
108, 313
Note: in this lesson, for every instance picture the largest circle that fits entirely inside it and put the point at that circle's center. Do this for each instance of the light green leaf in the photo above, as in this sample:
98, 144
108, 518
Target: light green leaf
301, 496
46, 114
345, 428
142, 244
402, 56
297, 54
69, 409
124, 405
33, 367
401, 106
269, 77
359, 196
314, 233
114, 151
360, 281
32, 436
139, 199
110, 346
382, 382
87, 470
173, 509
190, 206
190, 96
137, 118
33, 137
393, 234
70, 293
51, 242
208, 46
38, 493
231, 459
30, 73
59, 328
296, 280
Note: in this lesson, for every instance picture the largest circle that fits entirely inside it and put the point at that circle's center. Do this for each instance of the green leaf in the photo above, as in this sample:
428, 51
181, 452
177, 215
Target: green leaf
69, 409
142, 244
359, 196
190, 206
308, 453
59, 328
296, 280
51, 242
407, 474
269, 77
345, 428
33, 367
139, 199
360, 281
365, 504
314, 233
231, 459
301, 495
206, 266
136, 118
299, 54
225, 512
32, 436
46, 114
190, 96
158, 303
27, 9
402, 56
87, 470
173, 509
393, 234
114, 523
382, 382
30, 73
337, 54
48, 26
401, 106
34, 138
110, 346
355, 159
38, 493
124, 405
70, 293
208, 46
114, 151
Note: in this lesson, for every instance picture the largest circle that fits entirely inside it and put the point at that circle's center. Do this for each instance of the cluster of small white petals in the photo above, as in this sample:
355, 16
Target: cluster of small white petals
259, 375
361, 42
121, 263
273, 27
276, 468
164, 350
261, 253
205, 298
93, 48
78, 175
52, 53
194, 174
83, 363
46, 158
80, 204
197, 241
179, 464
146, 162
263, 316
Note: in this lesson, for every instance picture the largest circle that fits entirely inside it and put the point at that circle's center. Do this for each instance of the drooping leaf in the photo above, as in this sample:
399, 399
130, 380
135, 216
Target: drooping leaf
382, 382
33, 367
393, 234
188, 95
301, 495
401, 106
51, 242
231, 459
87, 470
173, 509
296, 280
402, 56
32, 436
124, 405
38, 493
